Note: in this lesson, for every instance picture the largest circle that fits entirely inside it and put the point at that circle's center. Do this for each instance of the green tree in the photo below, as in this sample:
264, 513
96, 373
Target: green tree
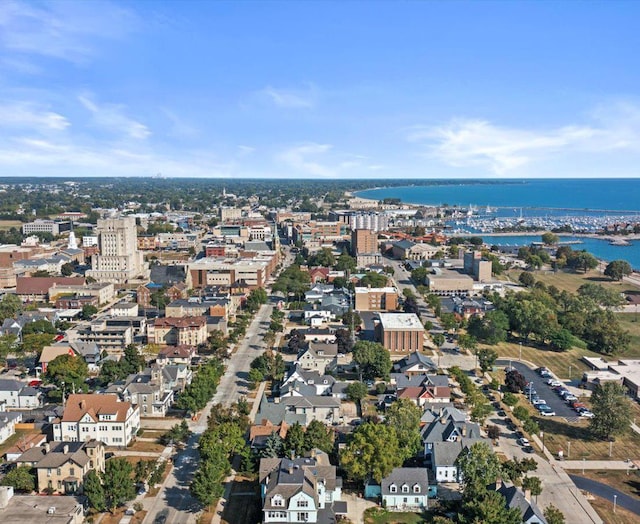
605, 297
21, 479
346, 263
10, 306
468, 342
110, 371
132, 360
549, 238
273, 446
562, 340
527, 279
618, 269
510, 399
373, 279
404, 416
553, 515
8, 344
521, 413
70, 370
67, 269
295, 441
612, 411
489, 508
39, 326
207, 485
438, 339
478, 467
88, 311
356, 391
372, 359
492, 329
318, 436
94, 491
351, 318
117, 482
533, 484
531, 426
487, 358
373, 451
34, 342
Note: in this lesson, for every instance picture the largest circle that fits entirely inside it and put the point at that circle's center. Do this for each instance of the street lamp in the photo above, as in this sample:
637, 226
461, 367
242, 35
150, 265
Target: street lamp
615, 502
569, 372
583, 465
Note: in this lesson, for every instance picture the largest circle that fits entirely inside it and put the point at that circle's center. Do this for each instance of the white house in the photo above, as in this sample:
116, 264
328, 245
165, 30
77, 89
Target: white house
300, 490
8, 424
17, 395
99, 417
405, 489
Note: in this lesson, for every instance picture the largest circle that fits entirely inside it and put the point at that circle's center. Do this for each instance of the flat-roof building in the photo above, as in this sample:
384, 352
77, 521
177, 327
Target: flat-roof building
400, 332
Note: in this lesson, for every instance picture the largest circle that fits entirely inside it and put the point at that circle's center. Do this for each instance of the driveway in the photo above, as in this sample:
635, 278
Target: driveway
607, 492
544, 391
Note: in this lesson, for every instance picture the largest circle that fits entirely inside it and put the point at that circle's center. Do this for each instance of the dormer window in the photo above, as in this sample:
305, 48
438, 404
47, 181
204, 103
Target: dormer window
393, 488
277, 501
405, 489
416, 488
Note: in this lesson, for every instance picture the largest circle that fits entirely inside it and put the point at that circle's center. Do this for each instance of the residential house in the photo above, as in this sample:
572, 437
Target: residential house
26, 442
90, 352
318, 384
50, 353
259, 433
99, 417
319, 356
176, 355
17, 395
319, 334
300, 490
316, 317
405, 489
415, 363
299, 409
8, 424
62, 466
318, 291
516, 498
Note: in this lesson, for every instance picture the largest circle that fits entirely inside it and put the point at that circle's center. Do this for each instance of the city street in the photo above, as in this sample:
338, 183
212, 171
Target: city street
174, 503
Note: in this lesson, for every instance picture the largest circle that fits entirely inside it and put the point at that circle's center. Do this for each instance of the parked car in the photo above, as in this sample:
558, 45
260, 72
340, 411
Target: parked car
523, 441
501, 413
510, 425
586, 413
570, 398
528, 449
554, 382
545, 410
538, 401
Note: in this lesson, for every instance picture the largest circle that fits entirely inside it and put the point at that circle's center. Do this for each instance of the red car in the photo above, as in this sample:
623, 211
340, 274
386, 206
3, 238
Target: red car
35, 383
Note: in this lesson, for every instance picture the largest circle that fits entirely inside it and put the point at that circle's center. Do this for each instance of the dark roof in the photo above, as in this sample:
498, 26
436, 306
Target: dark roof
516, 499
408, 476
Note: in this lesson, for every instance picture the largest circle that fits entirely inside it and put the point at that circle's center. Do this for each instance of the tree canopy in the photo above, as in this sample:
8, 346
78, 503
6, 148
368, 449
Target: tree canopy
372, 359
618, 269
612, 410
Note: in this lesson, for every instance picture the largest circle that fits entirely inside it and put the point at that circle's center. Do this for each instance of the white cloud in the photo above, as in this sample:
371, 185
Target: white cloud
70, 31
469, 142
112, 118
297, 157
291, 98
28, 115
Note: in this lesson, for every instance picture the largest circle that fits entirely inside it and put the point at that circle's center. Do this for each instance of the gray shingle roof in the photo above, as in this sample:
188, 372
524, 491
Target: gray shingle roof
408, 476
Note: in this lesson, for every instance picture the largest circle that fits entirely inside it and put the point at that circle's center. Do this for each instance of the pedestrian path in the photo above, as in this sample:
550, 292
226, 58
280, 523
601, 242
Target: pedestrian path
596, 464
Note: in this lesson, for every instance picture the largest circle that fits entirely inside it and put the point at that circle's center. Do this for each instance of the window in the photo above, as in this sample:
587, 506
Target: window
393, 488
404, 500
405, 489
417, 500
58, 472
72, 471
277, 501
416, 488
303, 503
303, 517
48, 472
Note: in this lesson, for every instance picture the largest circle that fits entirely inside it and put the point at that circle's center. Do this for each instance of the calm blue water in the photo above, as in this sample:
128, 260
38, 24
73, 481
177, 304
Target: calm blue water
599, 248
539, 198
593, 194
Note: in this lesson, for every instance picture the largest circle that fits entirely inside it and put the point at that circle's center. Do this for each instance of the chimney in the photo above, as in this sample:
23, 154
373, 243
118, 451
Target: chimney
65, 449
313, 453
290, 468
527, 495
443, 420
464, 431
498, 483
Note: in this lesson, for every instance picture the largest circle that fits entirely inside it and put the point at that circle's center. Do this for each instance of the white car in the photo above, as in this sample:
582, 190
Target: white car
523, 441
554, 382
539, 401
586, 413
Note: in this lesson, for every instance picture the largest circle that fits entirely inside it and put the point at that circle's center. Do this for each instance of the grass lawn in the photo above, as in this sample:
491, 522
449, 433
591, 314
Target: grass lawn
244, 503
629, 484
604, 508
8, 224
569, 281
143, 445
557, 435
557, 362
629, 322
15, 438
381, 516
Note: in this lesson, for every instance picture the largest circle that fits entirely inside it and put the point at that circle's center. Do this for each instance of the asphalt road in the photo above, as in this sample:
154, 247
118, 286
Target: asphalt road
544, 391
174, 503
607, 492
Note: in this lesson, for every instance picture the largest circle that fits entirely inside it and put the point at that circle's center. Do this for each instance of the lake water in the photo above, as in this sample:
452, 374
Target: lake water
594, 197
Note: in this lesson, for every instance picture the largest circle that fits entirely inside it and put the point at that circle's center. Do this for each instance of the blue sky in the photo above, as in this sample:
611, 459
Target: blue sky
320, 89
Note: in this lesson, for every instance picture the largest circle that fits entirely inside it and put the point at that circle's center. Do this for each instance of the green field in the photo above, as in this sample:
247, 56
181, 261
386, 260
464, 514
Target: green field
570, 281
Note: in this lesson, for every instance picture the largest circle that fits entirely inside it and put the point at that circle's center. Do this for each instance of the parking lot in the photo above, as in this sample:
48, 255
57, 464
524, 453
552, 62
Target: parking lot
544, 391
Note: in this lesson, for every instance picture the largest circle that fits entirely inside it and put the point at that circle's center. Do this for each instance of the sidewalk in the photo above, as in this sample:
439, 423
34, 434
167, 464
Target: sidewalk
595, 464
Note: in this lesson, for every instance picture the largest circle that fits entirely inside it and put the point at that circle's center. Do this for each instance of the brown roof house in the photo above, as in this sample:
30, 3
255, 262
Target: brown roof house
62, 466
99, 417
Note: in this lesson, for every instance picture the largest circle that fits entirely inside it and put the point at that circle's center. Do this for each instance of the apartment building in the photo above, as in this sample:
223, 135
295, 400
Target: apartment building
363, 241
400, 332
376, 299
99, 417
178, 331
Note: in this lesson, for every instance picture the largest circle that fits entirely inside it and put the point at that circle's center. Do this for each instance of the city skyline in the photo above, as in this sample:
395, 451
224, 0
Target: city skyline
319, 89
